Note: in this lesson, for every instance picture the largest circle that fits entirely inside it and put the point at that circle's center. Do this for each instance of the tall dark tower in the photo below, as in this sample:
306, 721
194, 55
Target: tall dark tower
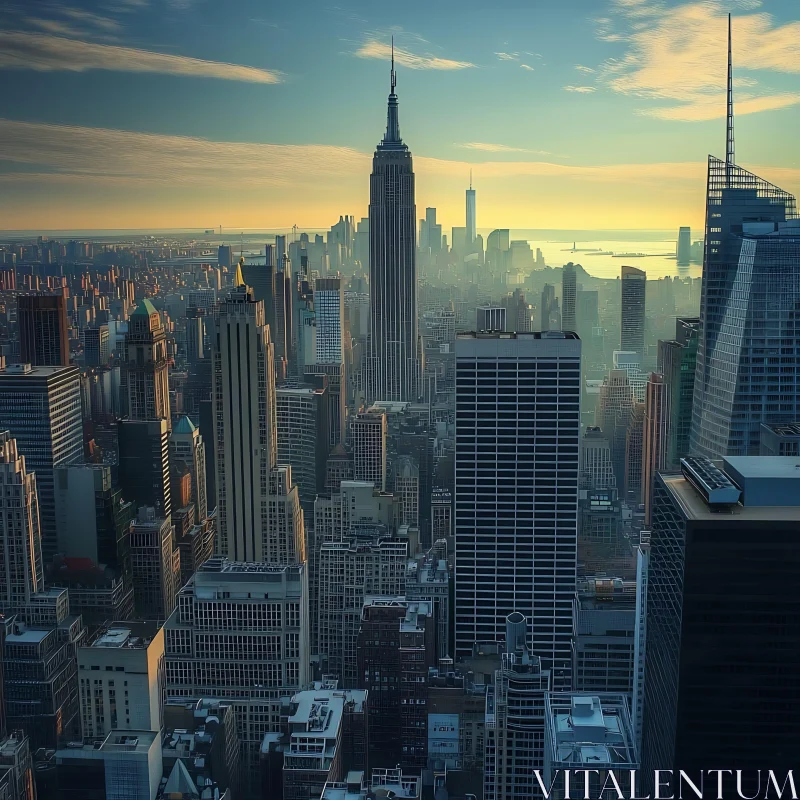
395, 354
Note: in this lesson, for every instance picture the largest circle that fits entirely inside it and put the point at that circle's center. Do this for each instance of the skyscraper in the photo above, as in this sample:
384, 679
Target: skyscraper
569, 297
186, 444
144, 464
144, 375
395, 353
516, 475
548, 306
748, 310
677, 362
633, 286
471, 214
245, 422
43, 337
722, 601
655, 439
20, 539
368, 432
41, 407
252, 493
684, 247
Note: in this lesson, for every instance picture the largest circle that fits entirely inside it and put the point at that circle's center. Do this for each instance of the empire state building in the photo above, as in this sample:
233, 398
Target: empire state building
395, 351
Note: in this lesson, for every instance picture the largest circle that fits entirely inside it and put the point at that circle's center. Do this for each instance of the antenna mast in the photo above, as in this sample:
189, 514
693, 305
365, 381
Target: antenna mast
730, 158
393, 77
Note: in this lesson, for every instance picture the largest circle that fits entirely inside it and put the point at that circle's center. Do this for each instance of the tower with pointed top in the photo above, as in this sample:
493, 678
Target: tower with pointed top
748, 365
471, 213
394, 341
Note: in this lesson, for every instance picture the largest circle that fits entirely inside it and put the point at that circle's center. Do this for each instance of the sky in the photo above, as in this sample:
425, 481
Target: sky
589, 114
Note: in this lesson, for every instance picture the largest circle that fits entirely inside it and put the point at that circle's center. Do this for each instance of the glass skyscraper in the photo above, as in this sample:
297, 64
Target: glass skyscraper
748, 358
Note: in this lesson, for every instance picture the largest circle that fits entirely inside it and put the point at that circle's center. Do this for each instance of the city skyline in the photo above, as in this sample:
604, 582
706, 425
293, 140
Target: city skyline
257, 136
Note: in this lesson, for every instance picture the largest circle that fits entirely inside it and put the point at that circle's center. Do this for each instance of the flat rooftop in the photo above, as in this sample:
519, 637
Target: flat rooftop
695, 507
789, 429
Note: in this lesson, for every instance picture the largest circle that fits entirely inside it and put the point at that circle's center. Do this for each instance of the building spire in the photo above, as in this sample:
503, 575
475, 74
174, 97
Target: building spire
730, 158
393, 76
392, 121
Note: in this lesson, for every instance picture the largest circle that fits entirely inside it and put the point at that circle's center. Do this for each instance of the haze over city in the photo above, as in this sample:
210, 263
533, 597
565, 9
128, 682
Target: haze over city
132, 114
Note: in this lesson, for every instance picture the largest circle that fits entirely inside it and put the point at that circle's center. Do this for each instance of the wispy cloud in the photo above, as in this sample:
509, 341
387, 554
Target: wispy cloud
489, 147
94, 20
119, 156
528, 67
585, 70
19, 50
374, 48
508, 56
580, 89
678, 54
55, 26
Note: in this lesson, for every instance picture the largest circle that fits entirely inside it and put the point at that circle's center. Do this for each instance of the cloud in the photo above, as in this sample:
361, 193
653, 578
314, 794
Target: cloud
678, 54
54, 26
373, 48
94, 20
508, 56
44, 53
489, 147
102, 154
585, 70
525, 66
580, 89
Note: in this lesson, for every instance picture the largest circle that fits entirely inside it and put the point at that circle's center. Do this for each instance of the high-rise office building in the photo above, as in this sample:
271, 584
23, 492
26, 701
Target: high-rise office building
569, 297
516, 502
267, 613
748, 306
302, 438
21, 555
612, 416
155, 565
515, 712
597, 468
396, 649
225, 256
655, 439
471, 214
633, 286
395, 352
751, 286
245, 422
145, 380
41, 408
368, 434
518, 312
634, 436
96, 350
722, 601
336, 393
405, 480
329, 310
186, 445
683, 250
43, 335
92, 518
677, 362
144, 464
548, 308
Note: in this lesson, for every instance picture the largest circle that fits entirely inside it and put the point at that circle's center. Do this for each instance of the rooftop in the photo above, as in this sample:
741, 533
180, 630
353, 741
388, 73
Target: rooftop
145, 308
695, 507
184, 425
790, 429
126, 635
